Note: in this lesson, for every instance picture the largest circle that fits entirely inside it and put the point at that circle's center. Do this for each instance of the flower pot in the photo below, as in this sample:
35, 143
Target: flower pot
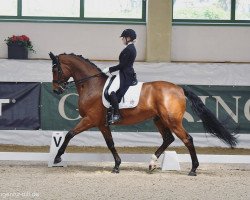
16, 51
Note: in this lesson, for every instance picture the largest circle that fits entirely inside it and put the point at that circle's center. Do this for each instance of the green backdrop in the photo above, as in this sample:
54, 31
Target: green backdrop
59, 112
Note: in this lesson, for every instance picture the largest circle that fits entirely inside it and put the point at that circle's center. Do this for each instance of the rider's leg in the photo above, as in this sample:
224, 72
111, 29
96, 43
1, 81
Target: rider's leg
113, 99
115, 84
115, 105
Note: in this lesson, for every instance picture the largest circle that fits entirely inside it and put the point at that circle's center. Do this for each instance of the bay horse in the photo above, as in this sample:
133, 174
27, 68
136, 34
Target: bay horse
161, 101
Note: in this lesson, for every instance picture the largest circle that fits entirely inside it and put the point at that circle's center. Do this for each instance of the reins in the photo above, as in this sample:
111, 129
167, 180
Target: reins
69, 83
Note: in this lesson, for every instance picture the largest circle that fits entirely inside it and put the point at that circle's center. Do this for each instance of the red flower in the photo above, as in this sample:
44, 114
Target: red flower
25, 38
14, 38
20, 38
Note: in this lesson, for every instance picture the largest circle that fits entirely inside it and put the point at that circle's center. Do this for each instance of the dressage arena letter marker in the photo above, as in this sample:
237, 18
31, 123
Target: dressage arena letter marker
56, 142
170, 161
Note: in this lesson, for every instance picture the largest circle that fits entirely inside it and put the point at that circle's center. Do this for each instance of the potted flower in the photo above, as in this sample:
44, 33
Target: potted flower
18, 47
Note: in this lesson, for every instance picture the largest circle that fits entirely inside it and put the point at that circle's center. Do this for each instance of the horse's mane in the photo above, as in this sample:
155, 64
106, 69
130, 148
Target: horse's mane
86, 60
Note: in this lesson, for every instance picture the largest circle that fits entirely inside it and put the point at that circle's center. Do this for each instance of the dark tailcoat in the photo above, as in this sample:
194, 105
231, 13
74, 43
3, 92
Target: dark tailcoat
126, 70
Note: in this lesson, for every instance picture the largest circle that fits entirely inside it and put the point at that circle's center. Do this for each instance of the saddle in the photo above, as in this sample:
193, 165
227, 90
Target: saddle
129, 100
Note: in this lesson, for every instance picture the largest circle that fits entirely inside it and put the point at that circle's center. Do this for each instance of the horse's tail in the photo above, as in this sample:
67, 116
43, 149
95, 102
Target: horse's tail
210, 123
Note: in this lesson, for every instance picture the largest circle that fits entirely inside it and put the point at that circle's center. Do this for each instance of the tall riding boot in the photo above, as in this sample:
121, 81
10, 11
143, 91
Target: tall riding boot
114, 102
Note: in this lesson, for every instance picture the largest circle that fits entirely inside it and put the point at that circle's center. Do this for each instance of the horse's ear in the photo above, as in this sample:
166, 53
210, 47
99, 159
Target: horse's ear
53, 58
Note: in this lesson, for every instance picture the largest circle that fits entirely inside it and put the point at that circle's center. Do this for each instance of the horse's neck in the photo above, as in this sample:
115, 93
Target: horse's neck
91, 85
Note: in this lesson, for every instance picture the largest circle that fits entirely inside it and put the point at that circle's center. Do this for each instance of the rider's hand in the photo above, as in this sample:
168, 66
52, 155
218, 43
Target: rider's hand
105, 70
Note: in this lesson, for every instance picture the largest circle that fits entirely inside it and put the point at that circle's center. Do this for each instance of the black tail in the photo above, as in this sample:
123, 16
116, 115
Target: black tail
210, 123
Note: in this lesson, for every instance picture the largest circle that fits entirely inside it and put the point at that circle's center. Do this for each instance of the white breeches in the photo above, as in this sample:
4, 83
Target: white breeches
115, 84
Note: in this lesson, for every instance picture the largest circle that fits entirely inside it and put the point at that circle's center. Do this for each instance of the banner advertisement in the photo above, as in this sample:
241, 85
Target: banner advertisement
58, 112
19, 106
30, 106
228, 103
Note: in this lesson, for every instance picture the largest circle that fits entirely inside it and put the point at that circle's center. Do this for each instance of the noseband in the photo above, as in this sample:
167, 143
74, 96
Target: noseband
57, 68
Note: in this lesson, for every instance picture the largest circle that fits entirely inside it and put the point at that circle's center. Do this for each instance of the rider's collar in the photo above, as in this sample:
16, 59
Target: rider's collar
130, 43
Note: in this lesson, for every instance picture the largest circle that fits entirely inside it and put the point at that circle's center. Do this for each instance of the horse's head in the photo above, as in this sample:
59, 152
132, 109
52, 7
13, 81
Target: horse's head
70, 65
59, 77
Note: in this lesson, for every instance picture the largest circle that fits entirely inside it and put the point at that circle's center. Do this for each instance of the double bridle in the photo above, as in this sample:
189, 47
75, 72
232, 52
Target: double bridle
64, 84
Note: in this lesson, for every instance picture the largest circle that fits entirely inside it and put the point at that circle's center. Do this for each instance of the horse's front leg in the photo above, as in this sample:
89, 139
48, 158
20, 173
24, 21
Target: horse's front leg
110, 143
83, 125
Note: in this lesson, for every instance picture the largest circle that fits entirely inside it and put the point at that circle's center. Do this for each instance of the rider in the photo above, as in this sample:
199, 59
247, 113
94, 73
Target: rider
126, 76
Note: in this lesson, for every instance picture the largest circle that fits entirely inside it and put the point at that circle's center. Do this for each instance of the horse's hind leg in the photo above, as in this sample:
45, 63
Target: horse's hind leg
167, 137
110, 143
188, 141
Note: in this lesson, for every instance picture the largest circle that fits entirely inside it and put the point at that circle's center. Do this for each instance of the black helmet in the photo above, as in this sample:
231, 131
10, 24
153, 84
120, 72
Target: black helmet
129, 33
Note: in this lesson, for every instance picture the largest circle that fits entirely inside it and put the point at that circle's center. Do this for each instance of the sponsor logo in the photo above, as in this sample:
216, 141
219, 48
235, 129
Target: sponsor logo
235, 109
61, 107
5, 101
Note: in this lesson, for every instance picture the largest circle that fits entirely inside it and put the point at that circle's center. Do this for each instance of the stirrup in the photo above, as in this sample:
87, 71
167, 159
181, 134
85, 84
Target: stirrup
113, 119
116, 118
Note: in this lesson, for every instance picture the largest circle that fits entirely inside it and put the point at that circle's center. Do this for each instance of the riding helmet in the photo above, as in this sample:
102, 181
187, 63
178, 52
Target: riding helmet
129, 33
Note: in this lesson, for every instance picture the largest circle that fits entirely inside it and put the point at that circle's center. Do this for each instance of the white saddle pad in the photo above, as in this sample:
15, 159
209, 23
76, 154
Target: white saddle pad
130, 99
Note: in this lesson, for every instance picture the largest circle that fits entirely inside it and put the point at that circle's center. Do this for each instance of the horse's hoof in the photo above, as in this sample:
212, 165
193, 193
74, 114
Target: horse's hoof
57, 160
192, 174
115, 171
151, 168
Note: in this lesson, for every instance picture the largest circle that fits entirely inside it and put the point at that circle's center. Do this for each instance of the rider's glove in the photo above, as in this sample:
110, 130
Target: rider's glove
105, 70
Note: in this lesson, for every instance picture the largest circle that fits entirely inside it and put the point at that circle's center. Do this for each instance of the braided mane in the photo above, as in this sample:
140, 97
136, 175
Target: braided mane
85, 60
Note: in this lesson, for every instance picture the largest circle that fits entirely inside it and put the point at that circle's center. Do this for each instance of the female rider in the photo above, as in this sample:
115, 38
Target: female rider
126, 76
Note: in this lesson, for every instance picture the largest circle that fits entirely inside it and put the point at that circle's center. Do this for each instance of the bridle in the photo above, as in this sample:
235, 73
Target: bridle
65, 84
61, 84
